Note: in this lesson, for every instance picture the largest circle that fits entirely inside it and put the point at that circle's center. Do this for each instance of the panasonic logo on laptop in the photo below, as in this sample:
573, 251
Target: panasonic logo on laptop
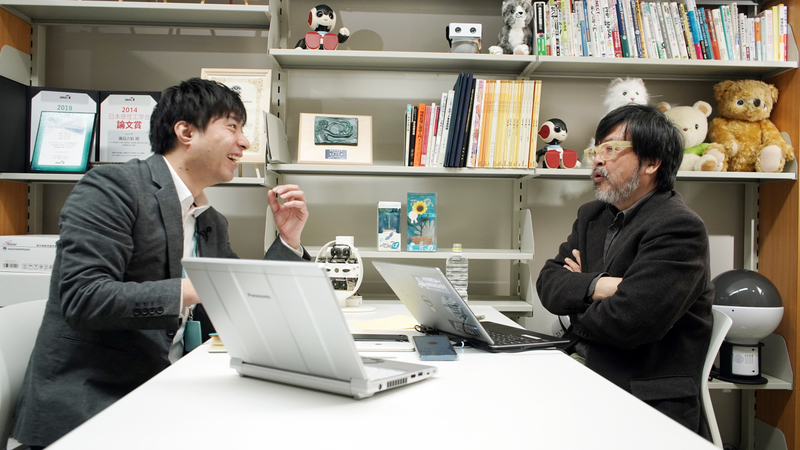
258, 295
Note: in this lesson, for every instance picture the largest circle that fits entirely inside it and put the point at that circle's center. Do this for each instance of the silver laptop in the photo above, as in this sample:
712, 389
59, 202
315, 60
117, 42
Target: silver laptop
280, 321
436, 305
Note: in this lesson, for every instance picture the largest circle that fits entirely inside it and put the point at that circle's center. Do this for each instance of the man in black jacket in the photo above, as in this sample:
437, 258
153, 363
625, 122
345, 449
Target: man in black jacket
634, 274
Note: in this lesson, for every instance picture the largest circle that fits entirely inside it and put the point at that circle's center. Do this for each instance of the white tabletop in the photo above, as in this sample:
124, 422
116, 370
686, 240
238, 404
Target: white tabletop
537, 399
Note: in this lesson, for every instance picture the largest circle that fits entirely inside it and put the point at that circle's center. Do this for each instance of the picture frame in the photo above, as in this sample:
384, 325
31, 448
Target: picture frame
334, 139
254, 86
63, 142
123, 128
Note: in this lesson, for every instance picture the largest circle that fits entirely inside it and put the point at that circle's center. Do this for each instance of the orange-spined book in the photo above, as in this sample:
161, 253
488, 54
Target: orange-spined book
712, 32
488, 123
420, 133
502, 124
537, 96
426, 131
759, 54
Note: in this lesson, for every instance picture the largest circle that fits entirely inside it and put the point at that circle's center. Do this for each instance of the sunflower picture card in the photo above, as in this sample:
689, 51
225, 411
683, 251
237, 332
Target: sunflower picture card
421, 222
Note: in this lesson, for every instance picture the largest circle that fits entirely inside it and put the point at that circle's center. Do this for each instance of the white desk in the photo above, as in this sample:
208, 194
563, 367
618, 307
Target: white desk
538, 399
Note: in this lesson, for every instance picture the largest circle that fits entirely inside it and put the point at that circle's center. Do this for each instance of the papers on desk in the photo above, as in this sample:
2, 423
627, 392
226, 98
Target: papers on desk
216, 344
400, 322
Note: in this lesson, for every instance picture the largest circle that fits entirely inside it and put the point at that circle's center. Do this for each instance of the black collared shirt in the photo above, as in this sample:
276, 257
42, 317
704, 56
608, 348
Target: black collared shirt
620, 219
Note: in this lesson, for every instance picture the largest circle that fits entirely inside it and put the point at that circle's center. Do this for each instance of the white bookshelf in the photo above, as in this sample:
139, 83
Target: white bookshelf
61, 12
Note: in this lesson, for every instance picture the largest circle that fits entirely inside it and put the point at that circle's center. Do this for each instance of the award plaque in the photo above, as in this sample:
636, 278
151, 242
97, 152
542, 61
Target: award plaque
45, 100
63, 142
334, 139
124, 131
253, 86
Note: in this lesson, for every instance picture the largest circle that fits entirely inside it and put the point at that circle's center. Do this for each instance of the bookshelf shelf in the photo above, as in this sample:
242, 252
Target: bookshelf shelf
672, 69
441, 254
399, 171
51, 12
530, 66
789, 173
401, 61
56, 178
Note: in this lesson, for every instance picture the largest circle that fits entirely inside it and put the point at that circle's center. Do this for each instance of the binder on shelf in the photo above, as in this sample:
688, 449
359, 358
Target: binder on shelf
461, 161
456, 120
13, 123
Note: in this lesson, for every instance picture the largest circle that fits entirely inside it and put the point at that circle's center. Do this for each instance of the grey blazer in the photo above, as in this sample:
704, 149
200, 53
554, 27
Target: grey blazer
651, 337
114, 295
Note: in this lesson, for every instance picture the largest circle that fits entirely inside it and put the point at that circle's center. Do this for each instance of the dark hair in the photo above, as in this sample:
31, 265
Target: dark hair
653, 136
196, 101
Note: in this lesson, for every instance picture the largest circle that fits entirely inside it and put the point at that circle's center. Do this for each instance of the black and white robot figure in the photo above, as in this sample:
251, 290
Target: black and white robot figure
322, 19
554, 132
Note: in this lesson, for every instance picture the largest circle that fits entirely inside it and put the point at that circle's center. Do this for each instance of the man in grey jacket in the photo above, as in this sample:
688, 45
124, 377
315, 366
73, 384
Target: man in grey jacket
634, 275
117, 296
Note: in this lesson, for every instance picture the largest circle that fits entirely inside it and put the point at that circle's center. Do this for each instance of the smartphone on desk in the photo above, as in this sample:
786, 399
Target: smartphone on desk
382, 343
435, 348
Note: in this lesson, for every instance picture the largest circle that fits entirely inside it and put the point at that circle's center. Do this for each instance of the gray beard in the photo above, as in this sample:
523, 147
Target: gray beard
616, 196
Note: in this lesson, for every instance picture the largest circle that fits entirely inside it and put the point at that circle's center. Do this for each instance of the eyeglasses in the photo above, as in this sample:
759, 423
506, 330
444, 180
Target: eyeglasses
608, 150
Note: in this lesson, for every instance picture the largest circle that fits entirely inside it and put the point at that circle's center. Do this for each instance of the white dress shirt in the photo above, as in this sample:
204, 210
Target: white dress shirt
191, 208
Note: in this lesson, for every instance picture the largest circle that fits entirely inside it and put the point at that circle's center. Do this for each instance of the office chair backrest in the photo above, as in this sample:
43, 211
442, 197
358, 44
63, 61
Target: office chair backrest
19, 325
722, 323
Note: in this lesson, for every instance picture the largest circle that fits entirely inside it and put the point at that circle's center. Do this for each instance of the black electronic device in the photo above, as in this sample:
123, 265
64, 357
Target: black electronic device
435, 348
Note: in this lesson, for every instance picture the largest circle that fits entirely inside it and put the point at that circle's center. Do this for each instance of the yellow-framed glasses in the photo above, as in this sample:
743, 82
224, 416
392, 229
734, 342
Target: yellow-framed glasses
608, 150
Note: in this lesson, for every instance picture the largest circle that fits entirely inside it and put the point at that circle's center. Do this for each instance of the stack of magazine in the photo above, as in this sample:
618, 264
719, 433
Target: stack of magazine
479, 123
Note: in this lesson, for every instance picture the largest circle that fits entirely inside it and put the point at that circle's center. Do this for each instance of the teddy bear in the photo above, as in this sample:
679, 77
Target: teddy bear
692, 123
749, 140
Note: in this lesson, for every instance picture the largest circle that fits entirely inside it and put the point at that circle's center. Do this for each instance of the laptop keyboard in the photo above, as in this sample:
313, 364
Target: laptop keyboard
510, 339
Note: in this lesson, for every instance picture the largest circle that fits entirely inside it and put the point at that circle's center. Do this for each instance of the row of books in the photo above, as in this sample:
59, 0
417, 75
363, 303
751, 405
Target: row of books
663, 30
479, 123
